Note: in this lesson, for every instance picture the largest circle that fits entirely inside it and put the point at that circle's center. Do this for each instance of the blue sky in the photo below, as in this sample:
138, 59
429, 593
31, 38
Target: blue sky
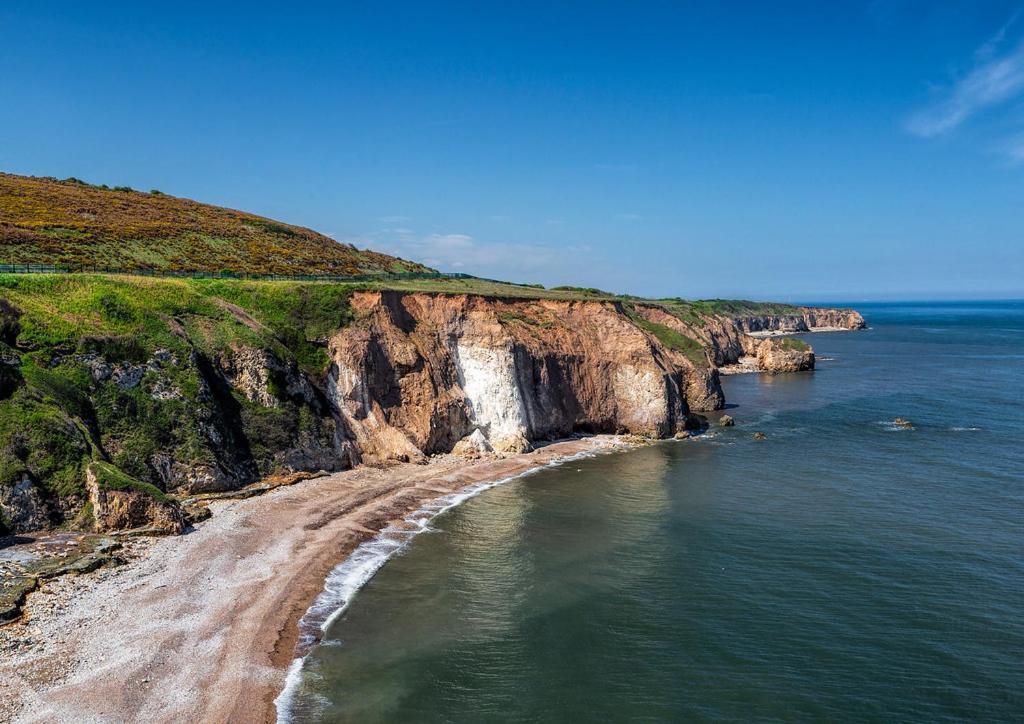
765, 150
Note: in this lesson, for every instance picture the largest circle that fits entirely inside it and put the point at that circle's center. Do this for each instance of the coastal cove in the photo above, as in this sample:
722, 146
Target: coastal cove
224, 602
153, 404
718, 577
205, 626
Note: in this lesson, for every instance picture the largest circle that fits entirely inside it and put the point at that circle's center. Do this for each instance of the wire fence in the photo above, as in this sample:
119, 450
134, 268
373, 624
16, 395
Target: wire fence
179, 274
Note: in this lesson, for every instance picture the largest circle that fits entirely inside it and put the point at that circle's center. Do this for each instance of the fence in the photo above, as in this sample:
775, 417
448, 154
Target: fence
383, 276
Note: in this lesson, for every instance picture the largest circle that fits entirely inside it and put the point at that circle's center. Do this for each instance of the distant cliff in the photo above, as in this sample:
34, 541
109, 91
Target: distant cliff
119, 396
804, 319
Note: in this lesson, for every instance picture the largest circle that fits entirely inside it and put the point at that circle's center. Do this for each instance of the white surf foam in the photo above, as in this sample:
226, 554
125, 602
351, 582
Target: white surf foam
345, 580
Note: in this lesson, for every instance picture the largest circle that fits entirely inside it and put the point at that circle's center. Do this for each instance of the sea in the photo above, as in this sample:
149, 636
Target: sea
845, 568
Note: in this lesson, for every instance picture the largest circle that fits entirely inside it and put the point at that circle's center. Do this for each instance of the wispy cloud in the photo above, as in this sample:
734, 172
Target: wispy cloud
462, 252
997, 76
1013, 149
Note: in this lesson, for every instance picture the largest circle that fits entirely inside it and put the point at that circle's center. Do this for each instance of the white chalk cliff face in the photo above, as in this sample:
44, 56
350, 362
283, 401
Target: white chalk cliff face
491, 385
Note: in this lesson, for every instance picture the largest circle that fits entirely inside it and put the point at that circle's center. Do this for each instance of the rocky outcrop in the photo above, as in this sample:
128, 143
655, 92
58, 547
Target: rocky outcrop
776, 356
119, 503
288, 426
22, 507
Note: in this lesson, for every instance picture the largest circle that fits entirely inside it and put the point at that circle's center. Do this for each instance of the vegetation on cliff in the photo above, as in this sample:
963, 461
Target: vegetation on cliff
151, 380
792, 344
71, 223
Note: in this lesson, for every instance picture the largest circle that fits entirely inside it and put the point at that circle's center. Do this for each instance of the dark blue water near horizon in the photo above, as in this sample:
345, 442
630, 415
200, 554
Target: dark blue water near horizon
843, 569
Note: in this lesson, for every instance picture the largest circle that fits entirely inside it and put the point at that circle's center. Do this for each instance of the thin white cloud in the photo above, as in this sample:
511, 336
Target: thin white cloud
464, 253
989, 49
1013, 149
994, 79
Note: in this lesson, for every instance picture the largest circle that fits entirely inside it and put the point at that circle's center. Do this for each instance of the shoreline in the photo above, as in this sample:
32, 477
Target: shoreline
206, 626
355, 570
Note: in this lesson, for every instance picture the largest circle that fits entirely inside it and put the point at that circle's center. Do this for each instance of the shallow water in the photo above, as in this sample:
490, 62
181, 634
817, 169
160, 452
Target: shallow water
843, 569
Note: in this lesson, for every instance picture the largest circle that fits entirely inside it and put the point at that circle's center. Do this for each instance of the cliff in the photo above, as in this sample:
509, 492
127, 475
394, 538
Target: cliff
418, 373
802, 319
118, 396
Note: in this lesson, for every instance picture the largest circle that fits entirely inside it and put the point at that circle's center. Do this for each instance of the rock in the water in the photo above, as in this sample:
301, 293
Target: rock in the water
784, 355
759, 436
683, 434
904, 423
726, 421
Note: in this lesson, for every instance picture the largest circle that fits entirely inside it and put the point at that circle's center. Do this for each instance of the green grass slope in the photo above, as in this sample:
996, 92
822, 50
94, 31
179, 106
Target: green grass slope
71, 223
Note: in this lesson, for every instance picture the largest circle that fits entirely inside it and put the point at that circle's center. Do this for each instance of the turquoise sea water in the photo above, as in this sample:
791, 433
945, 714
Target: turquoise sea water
844, 569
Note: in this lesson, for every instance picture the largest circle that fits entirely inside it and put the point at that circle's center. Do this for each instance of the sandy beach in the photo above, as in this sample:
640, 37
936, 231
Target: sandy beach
203, 626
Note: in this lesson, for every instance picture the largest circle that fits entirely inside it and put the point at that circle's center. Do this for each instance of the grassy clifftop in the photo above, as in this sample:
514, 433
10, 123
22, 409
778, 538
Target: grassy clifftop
71, 223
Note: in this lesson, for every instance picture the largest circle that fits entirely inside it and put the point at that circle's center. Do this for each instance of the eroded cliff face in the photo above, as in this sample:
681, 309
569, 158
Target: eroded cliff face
418, 373
807, 320
725, 344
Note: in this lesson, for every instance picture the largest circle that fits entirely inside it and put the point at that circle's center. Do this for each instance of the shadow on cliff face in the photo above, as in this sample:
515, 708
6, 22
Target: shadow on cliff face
232, 450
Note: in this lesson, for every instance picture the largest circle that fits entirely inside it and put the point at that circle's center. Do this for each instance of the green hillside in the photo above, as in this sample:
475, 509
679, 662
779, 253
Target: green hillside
71, 223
